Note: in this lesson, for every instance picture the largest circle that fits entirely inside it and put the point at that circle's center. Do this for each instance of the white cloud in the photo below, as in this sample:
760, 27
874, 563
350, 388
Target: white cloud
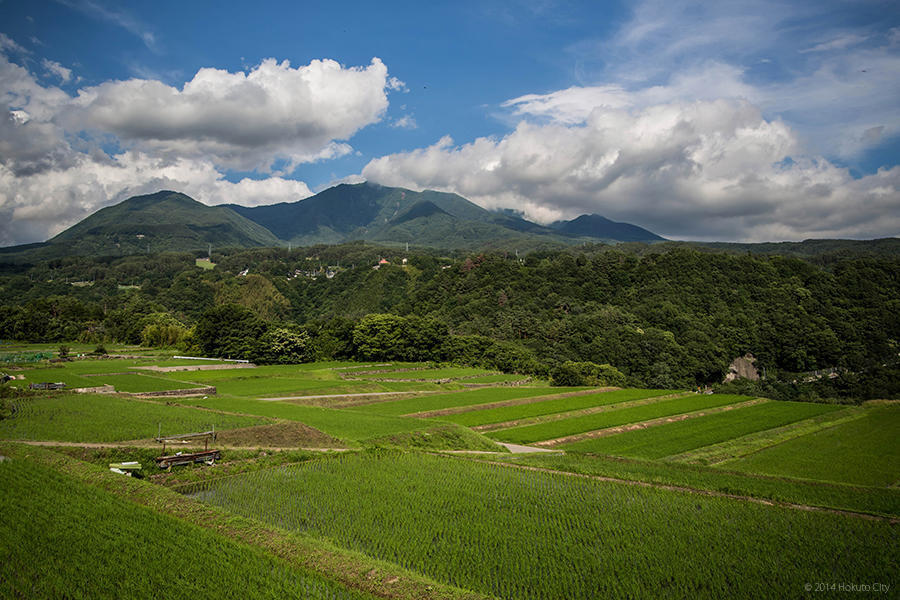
839, 43
695, 170
405, 122
41, 204
50, 177
241, 120
7, 44
57, 69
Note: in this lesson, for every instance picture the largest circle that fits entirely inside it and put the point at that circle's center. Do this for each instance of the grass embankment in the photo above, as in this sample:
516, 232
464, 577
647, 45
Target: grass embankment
676, 438
291, 556
864, 451
104, 418
613, 418
524, 534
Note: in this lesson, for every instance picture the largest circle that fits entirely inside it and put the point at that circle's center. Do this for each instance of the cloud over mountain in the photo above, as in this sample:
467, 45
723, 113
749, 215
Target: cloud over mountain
56, 166
700, 170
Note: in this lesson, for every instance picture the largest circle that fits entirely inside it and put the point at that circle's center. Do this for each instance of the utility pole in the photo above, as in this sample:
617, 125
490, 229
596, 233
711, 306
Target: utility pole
209, 251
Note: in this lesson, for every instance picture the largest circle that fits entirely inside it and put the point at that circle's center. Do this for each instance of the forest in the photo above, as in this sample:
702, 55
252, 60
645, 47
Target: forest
821, 327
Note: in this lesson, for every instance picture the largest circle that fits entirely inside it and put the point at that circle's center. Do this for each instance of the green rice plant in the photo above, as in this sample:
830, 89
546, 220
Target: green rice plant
341, 424
715, 479
864, 452
613, 418
522, 534
675, 438
60, 538
559, 405
105, 418
468, 398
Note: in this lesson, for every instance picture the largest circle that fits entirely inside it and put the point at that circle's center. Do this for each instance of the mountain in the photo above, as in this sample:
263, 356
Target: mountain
367, 211
602, 228
171, 221
386, 214
162, 221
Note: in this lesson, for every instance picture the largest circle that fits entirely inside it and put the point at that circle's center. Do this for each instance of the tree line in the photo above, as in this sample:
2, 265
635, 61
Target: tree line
671, 317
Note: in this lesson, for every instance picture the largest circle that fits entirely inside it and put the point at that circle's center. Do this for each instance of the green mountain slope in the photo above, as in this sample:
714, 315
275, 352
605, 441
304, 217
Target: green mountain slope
162, 221
367, 211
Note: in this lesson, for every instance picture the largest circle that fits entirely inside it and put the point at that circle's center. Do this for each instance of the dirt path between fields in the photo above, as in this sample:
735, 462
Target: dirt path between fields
513, 402
645, 424
699, 492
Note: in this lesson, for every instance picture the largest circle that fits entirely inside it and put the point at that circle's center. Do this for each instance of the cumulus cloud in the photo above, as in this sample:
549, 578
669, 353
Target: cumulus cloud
41, 204
56, 167
691, 170
721, 135
241, 120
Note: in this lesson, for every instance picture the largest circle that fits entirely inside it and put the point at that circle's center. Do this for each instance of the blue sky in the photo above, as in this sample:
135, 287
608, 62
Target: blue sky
745, 121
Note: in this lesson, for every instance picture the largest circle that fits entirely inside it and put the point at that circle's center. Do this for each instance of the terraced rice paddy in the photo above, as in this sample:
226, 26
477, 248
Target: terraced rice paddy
863, 452
559, 405
613, 418
607, 516
435, 402
104, 418
674, 438
64, 539
522, 534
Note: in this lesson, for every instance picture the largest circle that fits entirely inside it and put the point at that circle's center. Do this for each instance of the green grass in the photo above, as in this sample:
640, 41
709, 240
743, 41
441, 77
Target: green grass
675, 438
469, 398
523, 411
865, 452
340, 424
520, 534
613, 418
828, 495
64, 539
104, 418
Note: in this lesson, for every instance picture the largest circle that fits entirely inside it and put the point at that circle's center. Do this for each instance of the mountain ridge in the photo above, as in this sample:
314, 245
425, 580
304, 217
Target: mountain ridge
172, 221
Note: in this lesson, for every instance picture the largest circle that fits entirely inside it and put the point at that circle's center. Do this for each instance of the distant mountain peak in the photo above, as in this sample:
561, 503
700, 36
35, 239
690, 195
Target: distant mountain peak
598, 226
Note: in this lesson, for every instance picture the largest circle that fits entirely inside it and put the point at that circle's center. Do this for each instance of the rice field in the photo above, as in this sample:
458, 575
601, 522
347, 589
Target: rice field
64, 539
341, 424
104, 418
453, 400
613, 418
675, 438
520, 534
523, 411
863, 452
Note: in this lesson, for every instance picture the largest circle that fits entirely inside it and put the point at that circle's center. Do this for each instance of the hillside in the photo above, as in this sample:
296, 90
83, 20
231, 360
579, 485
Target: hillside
162, 221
